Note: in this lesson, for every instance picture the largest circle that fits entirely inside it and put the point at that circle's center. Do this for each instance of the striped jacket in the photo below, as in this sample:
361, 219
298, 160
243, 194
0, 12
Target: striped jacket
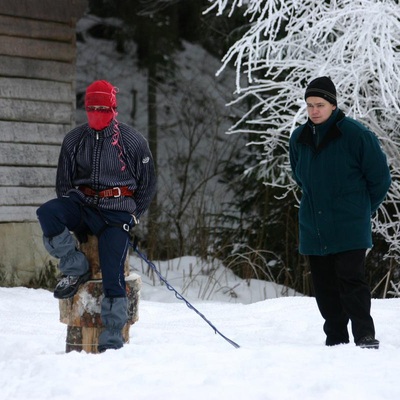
89, 158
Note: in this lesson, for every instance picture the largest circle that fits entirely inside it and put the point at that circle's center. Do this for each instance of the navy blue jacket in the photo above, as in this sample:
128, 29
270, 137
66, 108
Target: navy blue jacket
89, 158
344, 177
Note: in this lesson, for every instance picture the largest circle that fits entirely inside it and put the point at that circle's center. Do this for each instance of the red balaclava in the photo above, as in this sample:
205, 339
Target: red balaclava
101, 93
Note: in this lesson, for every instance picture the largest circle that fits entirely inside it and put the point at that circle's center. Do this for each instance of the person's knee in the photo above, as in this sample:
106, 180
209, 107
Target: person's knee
49, 208
56, 214
42, 211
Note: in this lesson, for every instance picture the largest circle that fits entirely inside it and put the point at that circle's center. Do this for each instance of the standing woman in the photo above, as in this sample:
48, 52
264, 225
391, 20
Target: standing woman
344, 177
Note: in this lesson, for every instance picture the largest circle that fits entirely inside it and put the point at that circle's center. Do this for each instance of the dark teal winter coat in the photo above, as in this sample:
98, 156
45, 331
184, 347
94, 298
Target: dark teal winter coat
344, 177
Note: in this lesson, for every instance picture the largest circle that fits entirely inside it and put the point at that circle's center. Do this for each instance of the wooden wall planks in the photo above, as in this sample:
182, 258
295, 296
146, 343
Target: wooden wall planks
37, 99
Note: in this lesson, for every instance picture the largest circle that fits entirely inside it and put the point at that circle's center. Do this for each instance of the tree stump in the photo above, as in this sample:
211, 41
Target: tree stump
82, 312
91, 251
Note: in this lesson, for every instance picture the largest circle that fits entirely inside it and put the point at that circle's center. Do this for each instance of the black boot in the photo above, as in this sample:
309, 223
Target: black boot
368, 342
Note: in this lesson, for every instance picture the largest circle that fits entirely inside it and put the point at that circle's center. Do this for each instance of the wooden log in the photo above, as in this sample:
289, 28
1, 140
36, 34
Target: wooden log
50, 10
38, 49
84, 308
16, 26
91, 250
25, 132
28, 176
82, 314
39, 69
19, 154
36, 89
36, 111
18, 213
18, 195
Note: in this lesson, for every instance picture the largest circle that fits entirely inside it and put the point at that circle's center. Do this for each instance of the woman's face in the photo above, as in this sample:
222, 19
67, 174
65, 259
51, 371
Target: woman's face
319, 110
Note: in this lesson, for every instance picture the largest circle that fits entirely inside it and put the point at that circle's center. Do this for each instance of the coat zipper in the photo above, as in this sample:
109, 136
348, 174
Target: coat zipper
96, 165
316, 136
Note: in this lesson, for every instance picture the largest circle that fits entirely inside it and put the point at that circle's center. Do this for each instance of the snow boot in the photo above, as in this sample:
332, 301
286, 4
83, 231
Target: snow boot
69, 285
114, 315
63, 246
73, 264
368, 342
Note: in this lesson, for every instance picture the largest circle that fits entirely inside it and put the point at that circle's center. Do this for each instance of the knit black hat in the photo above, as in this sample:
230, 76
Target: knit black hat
322, 87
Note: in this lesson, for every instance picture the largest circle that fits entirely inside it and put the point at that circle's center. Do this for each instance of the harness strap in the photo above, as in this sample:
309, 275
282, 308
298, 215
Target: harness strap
108, 224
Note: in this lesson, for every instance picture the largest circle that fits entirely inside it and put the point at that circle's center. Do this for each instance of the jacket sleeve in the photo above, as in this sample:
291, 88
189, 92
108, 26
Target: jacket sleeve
141, 164
293, 157
375, 169
65, 169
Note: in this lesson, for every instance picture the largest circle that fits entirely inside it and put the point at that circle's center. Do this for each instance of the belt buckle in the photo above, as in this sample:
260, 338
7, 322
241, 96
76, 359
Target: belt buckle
119, 191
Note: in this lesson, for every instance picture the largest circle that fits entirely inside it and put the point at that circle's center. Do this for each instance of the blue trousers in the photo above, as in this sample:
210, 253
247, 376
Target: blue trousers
70, 212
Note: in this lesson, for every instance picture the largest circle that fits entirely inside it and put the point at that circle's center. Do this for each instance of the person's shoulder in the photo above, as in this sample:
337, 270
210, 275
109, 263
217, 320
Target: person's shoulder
129, 131
354, 130
75, 133
351, 125
299, 128
297, 131
131, 136
78, 129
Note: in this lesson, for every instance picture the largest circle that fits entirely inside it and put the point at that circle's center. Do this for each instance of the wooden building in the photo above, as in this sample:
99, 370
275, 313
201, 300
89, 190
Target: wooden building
37, 108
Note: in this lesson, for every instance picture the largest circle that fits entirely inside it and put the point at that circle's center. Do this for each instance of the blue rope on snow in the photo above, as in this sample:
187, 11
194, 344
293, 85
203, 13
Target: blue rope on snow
178, 295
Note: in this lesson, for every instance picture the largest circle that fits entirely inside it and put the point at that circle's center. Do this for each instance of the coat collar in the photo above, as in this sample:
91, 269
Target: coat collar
306, 134
106, 132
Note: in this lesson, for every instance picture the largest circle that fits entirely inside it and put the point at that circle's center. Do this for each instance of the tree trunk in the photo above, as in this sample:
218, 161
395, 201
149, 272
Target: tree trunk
152, 124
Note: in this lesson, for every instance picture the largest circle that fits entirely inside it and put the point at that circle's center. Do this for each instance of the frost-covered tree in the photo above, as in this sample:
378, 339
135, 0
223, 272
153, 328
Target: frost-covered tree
290, 42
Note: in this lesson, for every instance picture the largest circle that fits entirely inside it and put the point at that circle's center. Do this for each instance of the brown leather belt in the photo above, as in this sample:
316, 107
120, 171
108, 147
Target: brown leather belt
112, 192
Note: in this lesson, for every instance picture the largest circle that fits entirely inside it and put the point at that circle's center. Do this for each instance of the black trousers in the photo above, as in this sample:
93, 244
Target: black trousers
342, 294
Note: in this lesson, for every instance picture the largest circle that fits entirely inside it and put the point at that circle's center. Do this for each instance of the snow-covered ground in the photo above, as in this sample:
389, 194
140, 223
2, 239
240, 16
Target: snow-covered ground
174, 354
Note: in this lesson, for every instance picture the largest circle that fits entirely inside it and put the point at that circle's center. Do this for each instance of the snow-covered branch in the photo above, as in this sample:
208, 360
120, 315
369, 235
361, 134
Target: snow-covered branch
289, 43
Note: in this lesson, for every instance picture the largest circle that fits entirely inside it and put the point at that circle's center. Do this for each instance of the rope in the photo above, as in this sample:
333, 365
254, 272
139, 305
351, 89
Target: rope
178, 295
